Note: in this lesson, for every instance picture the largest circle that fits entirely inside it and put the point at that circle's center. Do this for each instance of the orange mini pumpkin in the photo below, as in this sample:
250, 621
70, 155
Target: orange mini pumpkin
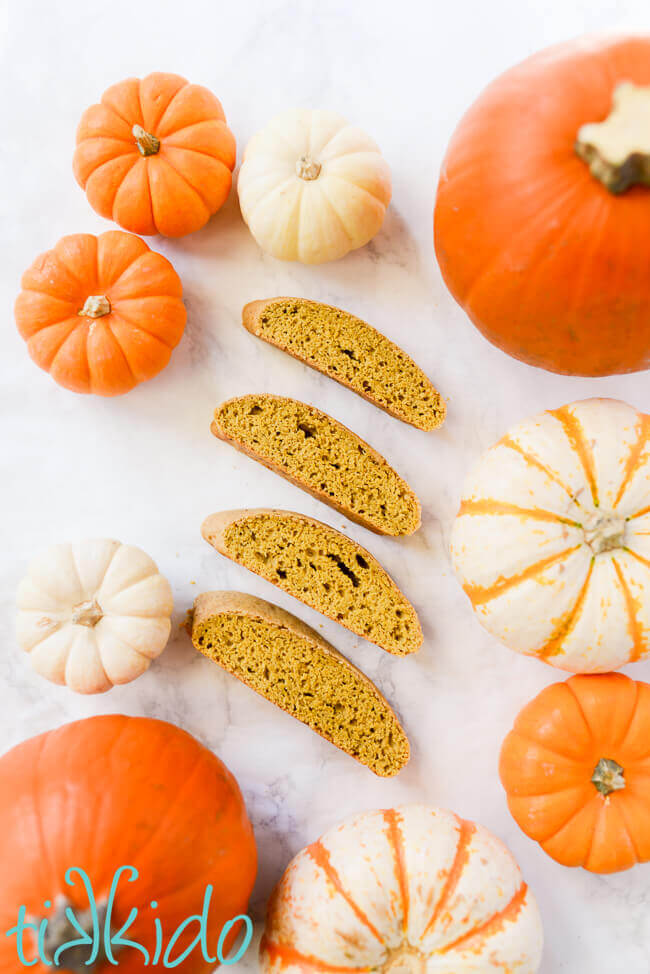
155, 155
111, 792
101, 314
576, 770
540, 234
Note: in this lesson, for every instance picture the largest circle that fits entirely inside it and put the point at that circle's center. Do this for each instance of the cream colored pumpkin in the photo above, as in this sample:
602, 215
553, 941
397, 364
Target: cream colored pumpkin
552, 539
411, 890
311, 187
93, 614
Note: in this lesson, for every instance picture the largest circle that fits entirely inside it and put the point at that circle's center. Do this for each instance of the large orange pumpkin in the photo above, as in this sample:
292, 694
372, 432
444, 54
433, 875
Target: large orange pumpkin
101, 314
576, 769
547, 261
117, 791
155, 155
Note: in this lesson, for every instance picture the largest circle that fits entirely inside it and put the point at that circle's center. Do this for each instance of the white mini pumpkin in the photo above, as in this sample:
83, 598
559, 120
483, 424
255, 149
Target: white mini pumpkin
93, 614
410, 890
552, 539
311, 187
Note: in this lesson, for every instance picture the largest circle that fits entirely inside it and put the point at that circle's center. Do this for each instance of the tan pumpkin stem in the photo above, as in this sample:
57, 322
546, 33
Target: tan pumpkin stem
60, 931
604, 532
147, 143
96, 306
404, 960
617, 150
87, 614
608, 776
307, 169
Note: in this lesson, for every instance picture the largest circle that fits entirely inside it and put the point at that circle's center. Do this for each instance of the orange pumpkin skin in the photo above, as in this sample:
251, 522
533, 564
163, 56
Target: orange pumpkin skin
549, 265
175, 189
111, 353
109, 791
547, 763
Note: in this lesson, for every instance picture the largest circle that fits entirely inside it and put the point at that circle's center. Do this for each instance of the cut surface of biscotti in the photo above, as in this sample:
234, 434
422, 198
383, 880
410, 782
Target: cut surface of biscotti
352, 352
287, 662
319, 454
321, 567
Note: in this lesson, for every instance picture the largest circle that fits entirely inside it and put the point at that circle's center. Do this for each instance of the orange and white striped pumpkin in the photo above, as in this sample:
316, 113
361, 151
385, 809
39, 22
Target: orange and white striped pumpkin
411, 890
552, 539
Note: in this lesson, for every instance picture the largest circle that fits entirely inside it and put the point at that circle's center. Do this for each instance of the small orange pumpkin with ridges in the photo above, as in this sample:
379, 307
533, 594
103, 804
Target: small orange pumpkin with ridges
155, 155
101, 314
576, 770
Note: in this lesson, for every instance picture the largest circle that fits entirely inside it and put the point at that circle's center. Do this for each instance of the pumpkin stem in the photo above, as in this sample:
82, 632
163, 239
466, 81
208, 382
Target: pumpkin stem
404, 960
608, 776
96, 306
87, 614
147, 143
604, 532
617, 150
60, 931
307, 169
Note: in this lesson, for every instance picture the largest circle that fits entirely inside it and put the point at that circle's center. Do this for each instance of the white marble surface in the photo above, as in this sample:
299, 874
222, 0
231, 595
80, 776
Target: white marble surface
145, 469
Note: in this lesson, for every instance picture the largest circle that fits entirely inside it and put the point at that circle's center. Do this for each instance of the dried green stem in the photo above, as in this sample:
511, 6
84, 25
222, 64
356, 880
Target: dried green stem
608, 776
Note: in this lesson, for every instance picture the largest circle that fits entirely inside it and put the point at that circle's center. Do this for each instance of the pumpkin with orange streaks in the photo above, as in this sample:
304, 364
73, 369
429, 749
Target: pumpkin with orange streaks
541, 214
109, 792
155, 155
101, 314
576, 770
552, 540
410, 890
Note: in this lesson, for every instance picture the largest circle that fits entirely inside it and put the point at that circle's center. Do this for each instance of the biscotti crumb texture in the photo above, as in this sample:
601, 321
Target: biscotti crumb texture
289, 664
323, 568
323, 457
352, 352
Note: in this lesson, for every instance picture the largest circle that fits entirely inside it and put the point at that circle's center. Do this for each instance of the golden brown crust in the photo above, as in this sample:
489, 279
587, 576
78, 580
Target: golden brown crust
220, 433
209, 604
252, 312
213, 530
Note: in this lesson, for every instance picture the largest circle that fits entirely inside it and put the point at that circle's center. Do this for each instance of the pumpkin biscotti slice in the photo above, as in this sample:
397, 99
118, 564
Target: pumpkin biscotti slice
287, 662
323, 568
352, 352
319, 454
